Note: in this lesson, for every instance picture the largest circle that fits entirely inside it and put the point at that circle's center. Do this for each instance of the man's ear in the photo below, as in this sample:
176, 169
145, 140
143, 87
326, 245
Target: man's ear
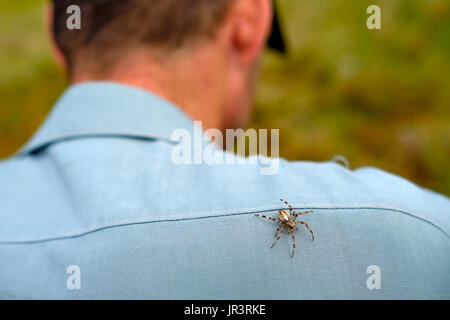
249, 23
56, 51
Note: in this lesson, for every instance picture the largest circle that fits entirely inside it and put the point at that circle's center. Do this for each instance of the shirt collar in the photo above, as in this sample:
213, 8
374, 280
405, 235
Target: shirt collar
108, 109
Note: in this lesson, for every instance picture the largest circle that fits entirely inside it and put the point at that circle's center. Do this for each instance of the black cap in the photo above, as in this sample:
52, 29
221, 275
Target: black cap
276, 40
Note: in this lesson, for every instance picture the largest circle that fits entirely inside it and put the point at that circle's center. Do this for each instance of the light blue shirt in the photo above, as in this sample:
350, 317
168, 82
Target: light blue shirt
94, 207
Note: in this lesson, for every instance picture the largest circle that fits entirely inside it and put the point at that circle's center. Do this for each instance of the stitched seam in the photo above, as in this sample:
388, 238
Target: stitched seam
223, 213
80, 136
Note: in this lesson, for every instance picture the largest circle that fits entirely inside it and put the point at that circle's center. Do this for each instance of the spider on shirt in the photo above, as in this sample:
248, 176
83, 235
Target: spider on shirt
287, 221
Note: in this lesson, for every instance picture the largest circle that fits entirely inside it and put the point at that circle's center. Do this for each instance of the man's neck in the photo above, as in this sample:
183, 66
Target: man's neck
180, 81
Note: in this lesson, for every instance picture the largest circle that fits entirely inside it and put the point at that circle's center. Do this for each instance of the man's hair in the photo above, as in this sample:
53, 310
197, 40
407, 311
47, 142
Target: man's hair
110, 28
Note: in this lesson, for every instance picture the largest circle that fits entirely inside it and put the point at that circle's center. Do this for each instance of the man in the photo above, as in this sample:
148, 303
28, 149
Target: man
94, 205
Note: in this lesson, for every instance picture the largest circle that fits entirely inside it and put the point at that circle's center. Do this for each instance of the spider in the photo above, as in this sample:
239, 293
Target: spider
287, 221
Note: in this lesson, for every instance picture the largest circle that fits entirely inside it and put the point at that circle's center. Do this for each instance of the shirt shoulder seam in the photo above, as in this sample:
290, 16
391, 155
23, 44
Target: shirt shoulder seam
227, 213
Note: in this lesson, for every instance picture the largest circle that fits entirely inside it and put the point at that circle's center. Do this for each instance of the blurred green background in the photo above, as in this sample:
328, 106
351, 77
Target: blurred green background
379, 97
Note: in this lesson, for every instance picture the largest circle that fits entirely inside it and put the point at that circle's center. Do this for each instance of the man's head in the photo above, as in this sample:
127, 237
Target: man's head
187, 51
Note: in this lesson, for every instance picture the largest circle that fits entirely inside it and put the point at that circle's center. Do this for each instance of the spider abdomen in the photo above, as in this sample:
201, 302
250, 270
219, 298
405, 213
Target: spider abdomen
284, 216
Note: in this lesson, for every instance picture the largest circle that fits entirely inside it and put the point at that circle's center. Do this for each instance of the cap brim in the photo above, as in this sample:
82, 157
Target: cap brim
276, 40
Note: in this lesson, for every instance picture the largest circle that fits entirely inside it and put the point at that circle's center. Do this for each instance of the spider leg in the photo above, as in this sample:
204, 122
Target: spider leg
293, 243
266, 217
279, 236
278, 230
296, 214
307, 227
286, 203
